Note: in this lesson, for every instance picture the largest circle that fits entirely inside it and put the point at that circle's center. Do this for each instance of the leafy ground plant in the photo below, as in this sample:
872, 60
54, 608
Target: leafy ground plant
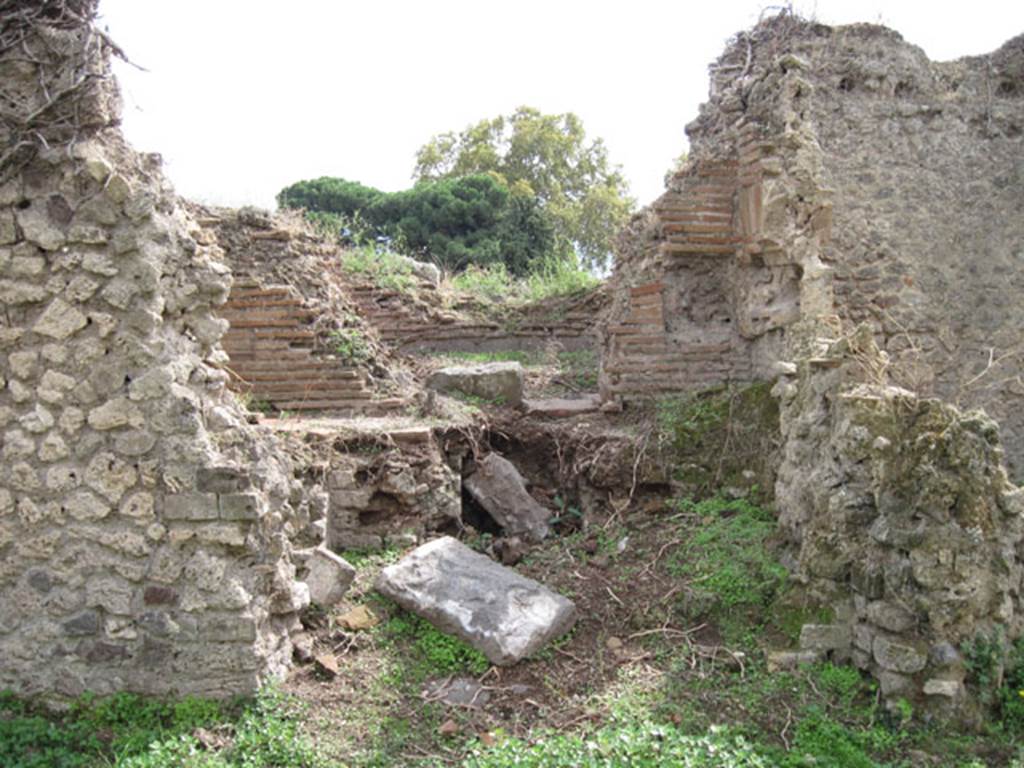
128, 731
432, 652
726, 564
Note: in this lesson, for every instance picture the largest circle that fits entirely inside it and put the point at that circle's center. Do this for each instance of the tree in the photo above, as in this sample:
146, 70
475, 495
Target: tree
548, 157
455, 222
329, 195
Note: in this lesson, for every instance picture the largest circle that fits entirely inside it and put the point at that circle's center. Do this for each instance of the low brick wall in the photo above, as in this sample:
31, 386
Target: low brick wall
409, 326
277, 361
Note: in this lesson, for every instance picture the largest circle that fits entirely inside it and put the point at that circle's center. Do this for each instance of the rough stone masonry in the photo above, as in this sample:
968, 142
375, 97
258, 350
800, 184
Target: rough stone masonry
836, 171
142, 521
836, 178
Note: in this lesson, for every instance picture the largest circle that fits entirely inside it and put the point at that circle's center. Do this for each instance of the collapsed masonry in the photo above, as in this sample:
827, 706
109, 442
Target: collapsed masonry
837, 177
143, 521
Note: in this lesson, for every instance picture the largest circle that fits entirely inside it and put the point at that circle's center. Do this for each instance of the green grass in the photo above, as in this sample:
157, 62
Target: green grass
494, 283
385, 268
128, 731
730, 572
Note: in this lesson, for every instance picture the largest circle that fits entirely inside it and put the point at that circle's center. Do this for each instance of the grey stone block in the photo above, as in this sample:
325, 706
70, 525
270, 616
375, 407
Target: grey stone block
502, 614
898, 656
825, 637
328, 576
497, 487
500, 383
191, 506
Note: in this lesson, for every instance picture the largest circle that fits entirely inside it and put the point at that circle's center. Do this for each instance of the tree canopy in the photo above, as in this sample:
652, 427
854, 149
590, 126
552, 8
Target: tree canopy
454, 221
546, 157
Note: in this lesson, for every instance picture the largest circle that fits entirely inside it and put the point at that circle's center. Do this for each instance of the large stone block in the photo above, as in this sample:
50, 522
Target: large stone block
501, 613
898, 656
498, 487
500, 383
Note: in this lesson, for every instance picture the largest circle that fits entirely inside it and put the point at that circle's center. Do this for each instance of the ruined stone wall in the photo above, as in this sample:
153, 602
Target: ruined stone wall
927, 164
143, 522
903, 523
871, 187
870, 184
296, 341
386, 482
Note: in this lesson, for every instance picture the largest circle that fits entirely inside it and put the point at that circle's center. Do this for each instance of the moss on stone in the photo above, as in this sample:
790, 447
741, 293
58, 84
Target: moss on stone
721, 438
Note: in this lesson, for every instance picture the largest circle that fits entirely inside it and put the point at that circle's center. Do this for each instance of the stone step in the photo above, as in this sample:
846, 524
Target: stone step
348, 405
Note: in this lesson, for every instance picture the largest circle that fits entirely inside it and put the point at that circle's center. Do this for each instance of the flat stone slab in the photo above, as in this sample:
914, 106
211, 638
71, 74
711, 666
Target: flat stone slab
498, 383
501, 613
562, 407
460, 692
498, 487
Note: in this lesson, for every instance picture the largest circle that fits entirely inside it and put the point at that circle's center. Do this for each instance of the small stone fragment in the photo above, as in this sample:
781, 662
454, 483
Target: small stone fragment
328, 577
327, 662
448, 728
359, 618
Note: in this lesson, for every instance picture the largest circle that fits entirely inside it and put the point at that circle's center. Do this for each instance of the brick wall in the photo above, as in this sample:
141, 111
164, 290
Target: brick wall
276, 360
678, 331
414, 326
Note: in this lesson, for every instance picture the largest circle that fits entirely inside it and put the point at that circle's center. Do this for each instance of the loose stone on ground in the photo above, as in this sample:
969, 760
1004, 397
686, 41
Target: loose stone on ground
498, 487
502, 614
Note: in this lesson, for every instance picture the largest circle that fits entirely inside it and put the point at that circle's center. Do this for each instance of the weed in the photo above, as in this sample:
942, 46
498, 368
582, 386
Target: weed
568, 515
490, 283
387, 269
984, 658
494, 283
129, 731
636, 743
350, 345
827, 743
558, 277
359, 558
431, 652
843, 683
726, 562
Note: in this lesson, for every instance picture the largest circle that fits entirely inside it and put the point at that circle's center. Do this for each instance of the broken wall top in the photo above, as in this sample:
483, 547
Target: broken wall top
836, 172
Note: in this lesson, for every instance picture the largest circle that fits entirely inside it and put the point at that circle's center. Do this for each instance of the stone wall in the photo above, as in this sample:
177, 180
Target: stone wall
864, 185
143, 522
387, 482
837, 171
903, 523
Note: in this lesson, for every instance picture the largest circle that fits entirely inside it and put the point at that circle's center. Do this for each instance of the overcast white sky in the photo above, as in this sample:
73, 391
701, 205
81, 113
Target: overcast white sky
243, 97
